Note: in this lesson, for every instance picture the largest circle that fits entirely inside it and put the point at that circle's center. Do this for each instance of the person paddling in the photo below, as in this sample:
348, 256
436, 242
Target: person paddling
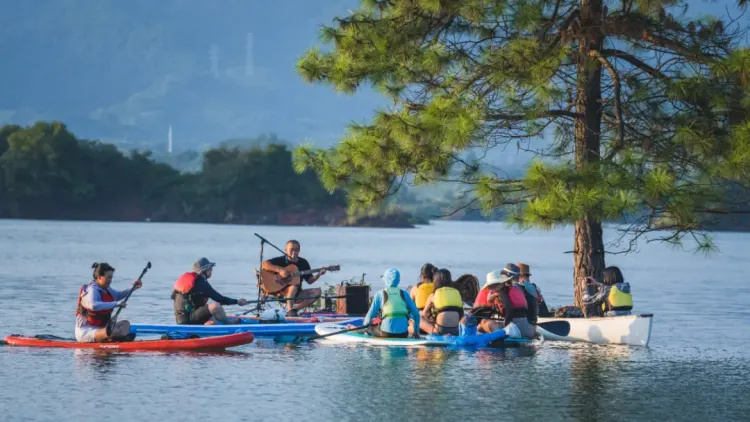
394, 308
96, 301
191, 293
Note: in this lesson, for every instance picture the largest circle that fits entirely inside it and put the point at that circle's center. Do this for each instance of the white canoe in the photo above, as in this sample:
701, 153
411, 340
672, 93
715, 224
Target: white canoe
633, 330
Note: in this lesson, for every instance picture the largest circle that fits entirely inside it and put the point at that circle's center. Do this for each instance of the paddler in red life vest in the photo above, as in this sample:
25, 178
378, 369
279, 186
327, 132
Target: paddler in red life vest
191, 293
505, 300
96, 301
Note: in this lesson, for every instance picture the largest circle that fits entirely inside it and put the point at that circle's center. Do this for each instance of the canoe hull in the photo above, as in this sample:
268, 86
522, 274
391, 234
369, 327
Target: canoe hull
633, 330
206, 343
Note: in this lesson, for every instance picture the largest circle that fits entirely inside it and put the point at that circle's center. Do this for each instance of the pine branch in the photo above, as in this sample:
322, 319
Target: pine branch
611, 52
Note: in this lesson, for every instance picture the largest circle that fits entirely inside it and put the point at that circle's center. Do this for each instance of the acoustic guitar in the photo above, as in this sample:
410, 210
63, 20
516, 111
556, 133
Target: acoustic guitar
272, 283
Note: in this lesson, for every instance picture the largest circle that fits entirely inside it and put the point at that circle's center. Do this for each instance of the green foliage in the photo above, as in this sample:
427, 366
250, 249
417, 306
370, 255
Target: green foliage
667, 137
47, 173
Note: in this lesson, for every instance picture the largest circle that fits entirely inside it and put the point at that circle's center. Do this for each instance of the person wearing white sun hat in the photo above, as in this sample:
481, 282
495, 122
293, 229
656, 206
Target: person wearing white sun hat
500, 298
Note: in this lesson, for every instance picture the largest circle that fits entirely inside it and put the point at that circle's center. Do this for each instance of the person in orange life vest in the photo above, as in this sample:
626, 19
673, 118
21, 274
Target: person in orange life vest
444, 308
506, 300
191, 293
421, 292
524, 279
96, 301
277, 265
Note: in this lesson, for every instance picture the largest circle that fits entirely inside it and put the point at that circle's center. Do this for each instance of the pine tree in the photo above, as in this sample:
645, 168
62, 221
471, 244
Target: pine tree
636, 112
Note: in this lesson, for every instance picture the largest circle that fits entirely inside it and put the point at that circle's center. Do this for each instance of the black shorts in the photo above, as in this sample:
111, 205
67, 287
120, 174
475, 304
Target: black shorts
442, 331
183, 317
377, 332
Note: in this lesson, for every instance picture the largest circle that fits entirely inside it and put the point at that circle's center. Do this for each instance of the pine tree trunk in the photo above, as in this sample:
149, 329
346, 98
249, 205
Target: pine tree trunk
588, 246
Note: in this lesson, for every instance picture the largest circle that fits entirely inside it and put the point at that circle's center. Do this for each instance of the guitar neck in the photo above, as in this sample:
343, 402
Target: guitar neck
306, 272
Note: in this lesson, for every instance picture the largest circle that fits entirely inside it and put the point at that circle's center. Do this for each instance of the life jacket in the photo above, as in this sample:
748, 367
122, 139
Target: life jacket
95, 318
424, 291
184, 286
517, 298
617, 300
446, 299
394, 305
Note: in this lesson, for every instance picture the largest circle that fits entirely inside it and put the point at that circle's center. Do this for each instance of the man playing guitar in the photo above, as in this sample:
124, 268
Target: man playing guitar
286, 266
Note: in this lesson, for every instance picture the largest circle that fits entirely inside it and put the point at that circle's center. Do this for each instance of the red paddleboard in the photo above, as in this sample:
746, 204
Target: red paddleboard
204, 343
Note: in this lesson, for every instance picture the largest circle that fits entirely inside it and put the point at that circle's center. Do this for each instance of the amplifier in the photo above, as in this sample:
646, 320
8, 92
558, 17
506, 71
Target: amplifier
357, 300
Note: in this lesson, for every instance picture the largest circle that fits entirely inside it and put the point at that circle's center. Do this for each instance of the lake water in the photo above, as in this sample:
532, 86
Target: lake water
697, 366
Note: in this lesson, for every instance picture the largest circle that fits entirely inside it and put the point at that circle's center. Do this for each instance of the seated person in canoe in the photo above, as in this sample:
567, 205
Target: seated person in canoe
191, 293
282, 277
444, 308
96, 301
393, 307
612, 296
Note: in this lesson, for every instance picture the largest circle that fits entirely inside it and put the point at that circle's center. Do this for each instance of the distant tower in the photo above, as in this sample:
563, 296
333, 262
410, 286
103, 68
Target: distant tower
213, 56
249, 68
169, 140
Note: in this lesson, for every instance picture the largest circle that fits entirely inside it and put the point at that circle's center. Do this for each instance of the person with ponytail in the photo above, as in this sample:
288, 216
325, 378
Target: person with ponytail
96, 301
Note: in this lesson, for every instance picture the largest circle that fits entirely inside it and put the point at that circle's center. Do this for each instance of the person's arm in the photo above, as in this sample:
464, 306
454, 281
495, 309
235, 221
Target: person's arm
273, 266
426, 311
203, 286
377, 303
93, 302
413, 311
507, 307
599, 297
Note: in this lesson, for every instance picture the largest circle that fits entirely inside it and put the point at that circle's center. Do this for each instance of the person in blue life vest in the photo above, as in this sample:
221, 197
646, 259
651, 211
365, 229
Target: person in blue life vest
394, 308
191, 293
96, 301
612, 296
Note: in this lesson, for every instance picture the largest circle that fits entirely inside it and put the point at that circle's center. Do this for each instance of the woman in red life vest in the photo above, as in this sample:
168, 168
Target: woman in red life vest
506, 301
191, 293
96, 301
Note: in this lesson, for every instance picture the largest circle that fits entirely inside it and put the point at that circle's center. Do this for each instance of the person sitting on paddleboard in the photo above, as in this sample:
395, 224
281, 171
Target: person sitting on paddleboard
191, 293
524, 279
96, 301
422, 291
444, 308
613, 296
501, 298
393, 307
278, 265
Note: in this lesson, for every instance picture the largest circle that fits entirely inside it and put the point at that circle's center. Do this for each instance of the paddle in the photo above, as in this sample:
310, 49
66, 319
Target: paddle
113, 319
278, 299
340, 332
558, 328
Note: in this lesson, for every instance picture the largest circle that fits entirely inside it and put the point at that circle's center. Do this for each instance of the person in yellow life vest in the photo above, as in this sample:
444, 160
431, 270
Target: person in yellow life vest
444, 308
612, 296
424, 287
96, 301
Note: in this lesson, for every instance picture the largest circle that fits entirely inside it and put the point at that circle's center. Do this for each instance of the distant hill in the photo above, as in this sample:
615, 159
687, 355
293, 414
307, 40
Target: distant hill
123, 71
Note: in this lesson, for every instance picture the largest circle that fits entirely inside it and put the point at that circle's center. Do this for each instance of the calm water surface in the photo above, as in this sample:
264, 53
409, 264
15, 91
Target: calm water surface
696, 367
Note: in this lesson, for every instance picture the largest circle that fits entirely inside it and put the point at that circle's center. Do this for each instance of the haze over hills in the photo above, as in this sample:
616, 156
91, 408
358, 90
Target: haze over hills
214, 70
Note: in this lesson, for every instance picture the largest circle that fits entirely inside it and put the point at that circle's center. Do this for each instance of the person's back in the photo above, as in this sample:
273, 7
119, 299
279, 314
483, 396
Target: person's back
444, 307
610, 298
394, 306
424, 287
619, 300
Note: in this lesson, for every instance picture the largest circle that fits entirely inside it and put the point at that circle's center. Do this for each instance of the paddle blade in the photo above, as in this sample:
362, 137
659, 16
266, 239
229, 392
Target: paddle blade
558, 328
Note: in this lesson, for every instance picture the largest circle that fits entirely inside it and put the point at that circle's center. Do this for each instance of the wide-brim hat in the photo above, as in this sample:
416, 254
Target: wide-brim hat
202, 265
510, 272
495, 277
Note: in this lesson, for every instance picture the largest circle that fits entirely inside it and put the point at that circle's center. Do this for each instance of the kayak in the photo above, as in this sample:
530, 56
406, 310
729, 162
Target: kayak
259, 329
633, 330
207, 343
499, 338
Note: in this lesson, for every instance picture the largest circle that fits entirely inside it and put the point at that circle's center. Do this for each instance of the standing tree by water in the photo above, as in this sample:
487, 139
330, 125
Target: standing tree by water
635, 112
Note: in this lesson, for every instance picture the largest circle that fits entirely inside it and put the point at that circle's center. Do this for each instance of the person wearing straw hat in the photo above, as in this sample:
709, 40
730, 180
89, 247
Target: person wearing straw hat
191, 293
524, 279
504, 300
